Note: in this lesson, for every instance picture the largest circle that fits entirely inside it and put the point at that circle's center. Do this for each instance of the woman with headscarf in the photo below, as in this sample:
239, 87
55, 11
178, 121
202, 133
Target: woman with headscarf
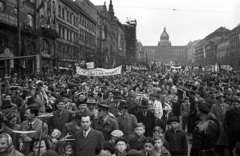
6, 146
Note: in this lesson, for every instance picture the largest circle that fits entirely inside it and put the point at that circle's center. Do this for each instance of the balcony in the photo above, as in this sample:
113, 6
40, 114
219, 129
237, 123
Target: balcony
49, 33
30, 30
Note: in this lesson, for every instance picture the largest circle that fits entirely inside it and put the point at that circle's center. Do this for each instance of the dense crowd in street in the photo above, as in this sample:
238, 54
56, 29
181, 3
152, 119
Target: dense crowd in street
175, 113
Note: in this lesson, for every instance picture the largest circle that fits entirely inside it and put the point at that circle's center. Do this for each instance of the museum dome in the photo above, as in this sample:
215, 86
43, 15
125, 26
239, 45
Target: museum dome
164, 35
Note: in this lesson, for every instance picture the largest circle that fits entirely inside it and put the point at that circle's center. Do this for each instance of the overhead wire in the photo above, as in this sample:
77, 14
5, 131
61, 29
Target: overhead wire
192, 19
169, 9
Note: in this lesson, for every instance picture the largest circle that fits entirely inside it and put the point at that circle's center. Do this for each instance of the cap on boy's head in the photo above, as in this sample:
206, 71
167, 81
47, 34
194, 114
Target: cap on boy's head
117, 133
149, 140
174, 119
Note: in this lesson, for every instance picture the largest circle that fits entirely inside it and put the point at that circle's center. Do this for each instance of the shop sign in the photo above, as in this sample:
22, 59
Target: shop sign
8, 19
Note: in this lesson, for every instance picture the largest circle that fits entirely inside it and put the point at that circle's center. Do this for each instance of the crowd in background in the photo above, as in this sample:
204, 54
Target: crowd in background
142, 114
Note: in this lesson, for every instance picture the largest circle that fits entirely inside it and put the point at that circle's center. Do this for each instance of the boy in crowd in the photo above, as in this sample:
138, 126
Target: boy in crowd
176, 138
159, 149
121, 146
148, 147
136, 142
158, 132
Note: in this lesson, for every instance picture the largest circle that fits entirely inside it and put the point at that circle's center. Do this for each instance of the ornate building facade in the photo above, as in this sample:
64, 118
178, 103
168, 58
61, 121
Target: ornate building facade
165, 53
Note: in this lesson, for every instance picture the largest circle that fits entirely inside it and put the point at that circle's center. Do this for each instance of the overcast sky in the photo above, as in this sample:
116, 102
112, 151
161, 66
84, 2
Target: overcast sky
184, 20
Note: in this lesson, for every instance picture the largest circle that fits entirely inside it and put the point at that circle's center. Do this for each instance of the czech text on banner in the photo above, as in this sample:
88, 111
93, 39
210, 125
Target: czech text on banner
98, 71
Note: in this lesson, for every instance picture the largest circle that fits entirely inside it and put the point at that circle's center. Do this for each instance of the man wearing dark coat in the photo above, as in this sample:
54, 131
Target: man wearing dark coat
147, 118
87, 139
126, 121
205, 134
231, 124
60, 117
72, 127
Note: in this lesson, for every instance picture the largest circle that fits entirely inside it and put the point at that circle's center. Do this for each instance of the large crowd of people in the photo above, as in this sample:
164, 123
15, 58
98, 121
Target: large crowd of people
176, 113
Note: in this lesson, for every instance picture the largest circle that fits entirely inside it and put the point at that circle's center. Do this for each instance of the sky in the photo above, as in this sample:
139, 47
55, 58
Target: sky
185, 20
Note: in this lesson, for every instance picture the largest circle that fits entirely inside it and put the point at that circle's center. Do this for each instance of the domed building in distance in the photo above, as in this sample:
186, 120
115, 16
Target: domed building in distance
165, 53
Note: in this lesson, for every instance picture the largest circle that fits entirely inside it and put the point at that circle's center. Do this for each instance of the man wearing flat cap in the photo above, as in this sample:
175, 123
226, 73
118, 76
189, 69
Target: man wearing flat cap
205, 133
104, 122
126, 121
176, 138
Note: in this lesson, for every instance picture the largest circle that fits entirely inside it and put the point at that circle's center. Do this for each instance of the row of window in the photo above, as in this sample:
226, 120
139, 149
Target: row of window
71, 36
235, 39
237, 31
67, 34
233, 47
73, 19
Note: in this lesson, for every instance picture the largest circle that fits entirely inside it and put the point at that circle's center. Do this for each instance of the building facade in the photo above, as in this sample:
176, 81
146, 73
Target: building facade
47, 23
9, 36
222, 55
165, 53
191, 51
233, 50
207, 49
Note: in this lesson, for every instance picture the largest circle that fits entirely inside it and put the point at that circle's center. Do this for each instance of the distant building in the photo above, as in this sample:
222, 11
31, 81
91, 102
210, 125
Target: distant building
206, 50
165, 53
191, 51
222, 55
233, 50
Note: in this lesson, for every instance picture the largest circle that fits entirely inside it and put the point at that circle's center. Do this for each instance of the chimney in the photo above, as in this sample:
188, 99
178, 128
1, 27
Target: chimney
104, 3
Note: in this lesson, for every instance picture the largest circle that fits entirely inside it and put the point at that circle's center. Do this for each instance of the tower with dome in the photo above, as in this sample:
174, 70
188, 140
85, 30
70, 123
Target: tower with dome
164, 52
164, 39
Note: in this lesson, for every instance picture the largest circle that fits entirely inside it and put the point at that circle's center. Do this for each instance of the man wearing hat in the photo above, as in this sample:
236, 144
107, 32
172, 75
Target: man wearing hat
104, 122
74, 126
6, 108
205, 133
60, 116
176, 138
219, 110
126, 121
146, 117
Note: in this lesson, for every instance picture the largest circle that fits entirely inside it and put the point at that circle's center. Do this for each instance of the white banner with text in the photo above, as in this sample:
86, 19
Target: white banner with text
98, 71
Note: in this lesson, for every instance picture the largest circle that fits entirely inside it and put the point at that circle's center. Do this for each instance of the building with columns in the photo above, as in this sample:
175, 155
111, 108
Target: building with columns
165, 53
